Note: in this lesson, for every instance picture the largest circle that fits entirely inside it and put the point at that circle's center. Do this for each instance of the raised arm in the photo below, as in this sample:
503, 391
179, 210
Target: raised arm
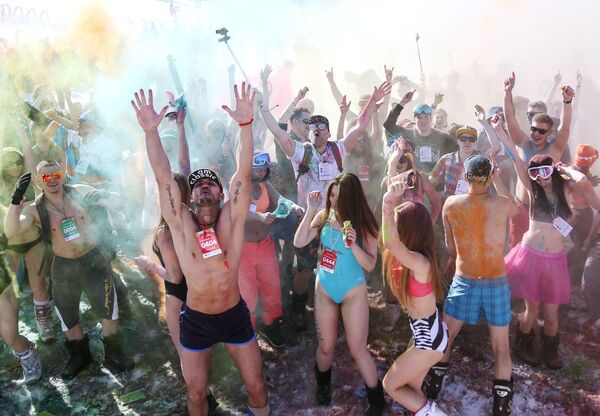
169, 195
511, 151
335, 91
309, 226
517, 135
344, 108
385, 105
551, 92
391, 241
17, 221
184, 148
283, 137
351, 139
566, 115
487, 128
285, 116
25, 145
264, 79
240, 182
390, 122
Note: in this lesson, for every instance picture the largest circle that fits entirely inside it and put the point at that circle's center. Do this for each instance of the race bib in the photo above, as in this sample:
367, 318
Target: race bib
326, 171
209, 245
253, 207
363, 173
328, 260
425, 154
461, 187
82, 165
562, 226
69, 229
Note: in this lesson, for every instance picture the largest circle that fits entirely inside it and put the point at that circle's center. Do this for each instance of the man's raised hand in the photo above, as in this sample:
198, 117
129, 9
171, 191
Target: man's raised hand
302, 93
389, 73
568, 93
509, 83
145, 113
344, 106
407, 98
244, 103
479, 113
384, 89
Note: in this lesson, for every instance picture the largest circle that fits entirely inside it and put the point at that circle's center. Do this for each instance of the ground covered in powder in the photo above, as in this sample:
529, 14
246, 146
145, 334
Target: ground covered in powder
156, 386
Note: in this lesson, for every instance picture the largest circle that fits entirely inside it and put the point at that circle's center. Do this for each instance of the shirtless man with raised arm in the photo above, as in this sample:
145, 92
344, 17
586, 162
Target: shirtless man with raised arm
208, 242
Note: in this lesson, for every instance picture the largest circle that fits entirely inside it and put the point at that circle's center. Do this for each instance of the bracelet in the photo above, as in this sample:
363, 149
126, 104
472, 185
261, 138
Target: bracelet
246, 124
568, 102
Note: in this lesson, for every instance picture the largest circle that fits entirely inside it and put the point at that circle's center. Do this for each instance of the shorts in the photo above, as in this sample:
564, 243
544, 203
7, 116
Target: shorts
91, 274
200, 331
538, 276
179, 290
307, 256
469, 300
431, 333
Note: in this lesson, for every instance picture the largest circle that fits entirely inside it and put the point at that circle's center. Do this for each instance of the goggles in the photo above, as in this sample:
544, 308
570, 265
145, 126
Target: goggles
261, 160
469, 139
423, 109
543, 172
580, 157
320, 126
56, 175
536, 129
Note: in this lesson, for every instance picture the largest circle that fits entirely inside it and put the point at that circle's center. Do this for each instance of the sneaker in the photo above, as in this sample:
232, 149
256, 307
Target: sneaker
43, 321
31, 365
272, 334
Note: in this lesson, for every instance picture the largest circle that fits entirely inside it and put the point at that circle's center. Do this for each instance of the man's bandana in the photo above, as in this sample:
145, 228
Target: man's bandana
196, 175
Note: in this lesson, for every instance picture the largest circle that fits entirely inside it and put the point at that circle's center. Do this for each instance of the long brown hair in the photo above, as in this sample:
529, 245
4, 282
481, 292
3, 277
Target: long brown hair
184, 190
415, 230
351, 205
540, 201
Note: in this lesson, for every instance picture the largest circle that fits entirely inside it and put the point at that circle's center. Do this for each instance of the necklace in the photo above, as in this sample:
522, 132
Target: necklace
63, 211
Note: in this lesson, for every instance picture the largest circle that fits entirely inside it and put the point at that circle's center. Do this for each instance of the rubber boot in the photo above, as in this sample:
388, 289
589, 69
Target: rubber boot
503, 393
376, 400
80, 356
550, 352
298, 306
30, 363
524, 349
432, 384
323, 394
114, 357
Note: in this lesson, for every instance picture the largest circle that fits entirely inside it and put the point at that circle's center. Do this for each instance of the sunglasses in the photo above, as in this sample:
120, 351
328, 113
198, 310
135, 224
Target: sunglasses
540, 131
543, 172
320, 126
261, 160
47, 177
469, 139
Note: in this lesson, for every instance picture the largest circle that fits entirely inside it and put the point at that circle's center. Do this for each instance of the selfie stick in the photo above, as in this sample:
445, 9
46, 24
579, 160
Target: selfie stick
178, 85
225, 38
419, 53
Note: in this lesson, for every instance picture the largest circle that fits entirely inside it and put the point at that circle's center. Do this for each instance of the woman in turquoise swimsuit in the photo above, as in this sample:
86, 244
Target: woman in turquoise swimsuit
340, 285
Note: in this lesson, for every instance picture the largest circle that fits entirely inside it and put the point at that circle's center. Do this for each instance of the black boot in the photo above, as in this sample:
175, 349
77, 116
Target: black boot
550, 351
432, 384
323, 386
298, 306
376, 400
114, 357
524, 349
80, 357
503, 393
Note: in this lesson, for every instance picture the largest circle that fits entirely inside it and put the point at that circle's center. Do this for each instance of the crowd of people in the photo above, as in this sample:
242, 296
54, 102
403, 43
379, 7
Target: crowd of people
454, 221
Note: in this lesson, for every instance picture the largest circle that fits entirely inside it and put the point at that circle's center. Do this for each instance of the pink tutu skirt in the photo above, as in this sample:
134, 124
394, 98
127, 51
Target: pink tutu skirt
538, 276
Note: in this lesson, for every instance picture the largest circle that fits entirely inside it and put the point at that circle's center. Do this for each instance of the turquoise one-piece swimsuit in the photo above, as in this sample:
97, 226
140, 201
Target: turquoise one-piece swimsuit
347, 273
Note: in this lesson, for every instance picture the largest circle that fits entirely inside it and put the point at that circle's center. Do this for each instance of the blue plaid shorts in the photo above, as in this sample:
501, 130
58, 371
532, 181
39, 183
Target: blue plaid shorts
469, 300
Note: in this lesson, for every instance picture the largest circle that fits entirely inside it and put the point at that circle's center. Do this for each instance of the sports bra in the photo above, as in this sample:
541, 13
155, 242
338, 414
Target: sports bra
416, 289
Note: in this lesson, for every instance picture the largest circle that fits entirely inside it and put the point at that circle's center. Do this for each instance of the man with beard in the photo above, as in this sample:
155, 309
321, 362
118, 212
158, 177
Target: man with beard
208, 241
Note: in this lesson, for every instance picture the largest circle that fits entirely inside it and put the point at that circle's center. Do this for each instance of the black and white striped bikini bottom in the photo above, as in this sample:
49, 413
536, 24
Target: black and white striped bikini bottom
430, 333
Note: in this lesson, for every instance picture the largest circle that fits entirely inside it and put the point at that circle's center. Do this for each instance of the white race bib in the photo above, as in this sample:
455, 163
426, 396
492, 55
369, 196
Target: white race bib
326, 172
562, 226
461, 187
425, 154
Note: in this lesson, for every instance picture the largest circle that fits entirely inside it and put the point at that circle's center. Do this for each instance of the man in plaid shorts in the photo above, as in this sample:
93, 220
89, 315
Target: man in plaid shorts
475, 228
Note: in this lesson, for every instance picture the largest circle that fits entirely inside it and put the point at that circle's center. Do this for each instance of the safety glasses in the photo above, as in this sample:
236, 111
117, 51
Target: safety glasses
469, 139
56, 175
320, 126
540, 131
543, 172
261, 160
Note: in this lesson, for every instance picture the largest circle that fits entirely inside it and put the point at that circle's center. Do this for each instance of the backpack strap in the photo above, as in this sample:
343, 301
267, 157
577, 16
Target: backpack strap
44, 217
336, 154
304, 165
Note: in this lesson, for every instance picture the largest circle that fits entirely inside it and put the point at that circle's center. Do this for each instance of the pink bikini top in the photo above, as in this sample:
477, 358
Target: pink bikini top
416, 289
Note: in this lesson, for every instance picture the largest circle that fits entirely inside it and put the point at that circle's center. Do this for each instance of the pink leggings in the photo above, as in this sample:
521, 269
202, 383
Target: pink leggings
259, 273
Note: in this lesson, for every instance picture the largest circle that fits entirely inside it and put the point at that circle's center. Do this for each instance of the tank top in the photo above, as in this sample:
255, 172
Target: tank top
262, 203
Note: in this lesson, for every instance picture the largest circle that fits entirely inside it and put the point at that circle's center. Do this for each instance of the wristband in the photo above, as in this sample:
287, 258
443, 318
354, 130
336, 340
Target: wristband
246, 124
568, 102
